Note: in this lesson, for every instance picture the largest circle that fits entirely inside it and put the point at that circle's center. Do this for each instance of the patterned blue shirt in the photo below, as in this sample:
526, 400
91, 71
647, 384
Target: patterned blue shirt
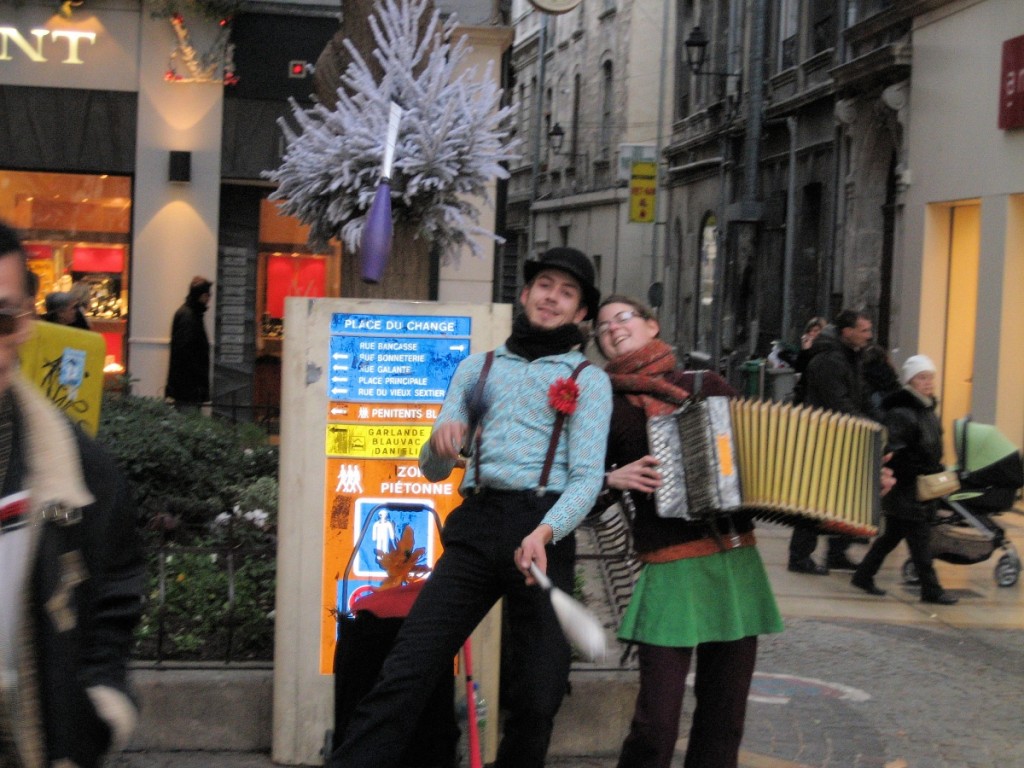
516, 431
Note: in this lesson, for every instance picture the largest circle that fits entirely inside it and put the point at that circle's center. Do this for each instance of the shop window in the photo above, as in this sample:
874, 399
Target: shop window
289, 267
76, 230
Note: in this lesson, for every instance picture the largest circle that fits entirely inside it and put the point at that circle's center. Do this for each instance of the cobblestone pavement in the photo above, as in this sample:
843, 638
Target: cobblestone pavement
842, 695
854, 681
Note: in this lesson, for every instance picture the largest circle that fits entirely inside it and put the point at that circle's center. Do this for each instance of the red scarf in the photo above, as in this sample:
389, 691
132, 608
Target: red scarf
640, 375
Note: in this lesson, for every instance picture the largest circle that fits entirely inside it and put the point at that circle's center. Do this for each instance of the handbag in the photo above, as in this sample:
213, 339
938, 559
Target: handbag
937, 484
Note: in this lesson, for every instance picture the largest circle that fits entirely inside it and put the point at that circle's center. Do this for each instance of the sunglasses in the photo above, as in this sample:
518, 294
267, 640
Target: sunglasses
9, 320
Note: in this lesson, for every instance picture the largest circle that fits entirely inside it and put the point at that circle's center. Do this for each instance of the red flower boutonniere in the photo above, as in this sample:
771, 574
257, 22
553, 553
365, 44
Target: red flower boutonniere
563, 395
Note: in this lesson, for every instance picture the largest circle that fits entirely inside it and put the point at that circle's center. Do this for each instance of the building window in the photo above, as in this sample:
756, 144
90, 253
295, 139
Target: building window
706, 282
684, 10
574, 145
607, 108
823, 26
288, 267
76, 229
789, 28
523, 126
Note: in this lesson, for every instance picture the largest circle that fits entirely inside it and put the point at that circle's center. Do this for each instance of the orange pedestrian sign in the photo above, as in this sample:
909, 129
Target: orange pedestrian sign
642, 190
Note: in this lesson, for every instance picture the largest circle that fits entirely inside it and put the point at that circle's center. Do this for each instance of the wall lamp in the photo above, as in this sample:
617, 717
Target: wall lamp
696, 55
556, 140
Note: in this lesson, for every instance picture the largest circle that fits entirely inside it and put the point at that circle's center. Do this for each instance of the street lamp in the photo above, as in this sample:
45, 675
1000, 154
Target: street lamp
696, 50
556, 138
696, 55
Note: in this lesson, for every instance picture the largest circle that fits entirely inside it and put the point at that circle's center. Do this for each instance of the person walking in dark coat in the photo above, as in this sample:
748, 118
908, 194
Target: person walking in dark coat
71, 562
915, 434
188, 375
832, 380
880, 378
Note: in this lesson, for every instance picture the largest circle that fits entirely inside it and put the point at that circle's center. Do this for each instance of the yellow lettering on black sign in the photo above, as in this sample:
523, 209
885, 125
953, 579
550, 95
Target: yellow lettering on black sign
376, 441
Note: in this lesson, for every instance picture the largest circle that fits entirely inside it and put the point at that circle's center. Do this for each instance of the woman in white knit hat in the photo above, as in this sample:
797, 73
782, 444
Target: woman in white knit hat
915, 437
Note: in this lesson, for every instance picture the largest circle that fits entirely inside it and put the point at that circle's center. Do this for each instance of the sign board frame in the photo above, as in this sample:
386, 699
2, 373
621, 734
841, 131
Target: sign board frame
310, 475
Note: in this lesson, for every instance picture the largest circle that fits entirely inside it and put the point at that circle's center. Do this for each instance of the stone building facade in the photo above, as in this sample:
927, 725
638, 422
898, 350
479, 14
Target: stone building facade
587, 86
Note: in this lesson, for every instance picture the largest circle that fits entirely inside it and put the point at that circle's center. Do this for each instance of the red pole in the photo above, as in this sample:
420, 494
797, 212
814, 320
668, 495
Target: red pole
475, 758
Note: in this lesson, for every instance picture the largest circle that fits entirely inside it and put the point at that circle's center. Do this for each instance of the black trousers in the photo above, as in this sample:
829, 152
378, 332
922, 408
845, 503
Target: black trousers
475, 570
805, 539
918, 535
721, 685
363, 644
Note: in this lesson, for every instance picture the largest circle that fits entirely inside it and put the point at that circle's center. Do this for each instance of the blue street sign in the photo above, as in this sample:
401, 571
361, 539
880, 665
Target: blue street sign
395, 358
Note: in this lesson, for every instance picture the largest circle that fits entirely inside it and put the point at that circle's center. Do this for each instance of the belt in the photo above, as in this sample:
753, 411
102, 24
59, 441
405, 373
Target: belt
698, 548
479, 490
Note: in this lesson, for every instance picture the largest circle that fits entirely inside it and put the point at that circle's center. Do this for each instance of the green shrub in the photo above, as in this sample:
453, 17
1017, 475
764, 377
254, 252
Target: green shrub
207, 494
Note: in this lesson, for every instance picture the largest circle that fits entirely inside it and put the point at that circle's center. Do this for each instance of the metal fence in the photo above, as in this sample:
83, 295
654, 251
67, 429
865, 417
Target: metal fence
208, 602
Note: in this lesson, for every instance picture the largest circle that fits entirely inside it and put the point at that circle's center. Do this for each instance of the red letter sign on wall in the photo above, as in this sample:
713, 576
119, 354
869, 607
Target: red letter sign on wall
1011, 85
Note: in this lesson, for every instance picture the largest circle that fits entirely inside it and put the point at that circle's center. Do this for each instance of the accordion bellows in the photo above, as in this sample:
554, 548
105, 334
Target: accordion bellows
790, 464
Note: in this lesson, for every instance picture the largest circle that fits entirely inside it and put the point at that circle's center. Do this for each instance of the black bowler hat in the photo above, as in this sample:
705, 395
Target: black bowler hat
576, 264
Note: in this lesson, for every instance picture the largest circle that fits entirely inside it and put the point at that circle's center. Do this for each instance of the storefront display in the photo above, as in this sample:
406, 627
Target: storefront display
76, 230
288, 267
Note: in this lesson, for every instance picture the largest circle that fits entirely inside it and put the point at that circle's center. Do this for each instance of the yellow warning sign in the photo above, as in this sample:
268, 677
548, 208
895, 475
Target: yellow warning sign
376, 441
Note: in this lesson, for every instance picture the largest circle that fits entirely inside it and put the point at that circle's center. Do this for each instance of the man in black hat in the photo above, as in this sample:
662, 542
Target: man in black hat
528, 484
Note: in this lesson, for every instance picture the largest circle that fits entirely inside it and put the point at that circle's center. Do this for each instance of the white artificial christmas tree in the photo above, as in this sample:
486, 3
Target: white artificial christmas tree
451, 140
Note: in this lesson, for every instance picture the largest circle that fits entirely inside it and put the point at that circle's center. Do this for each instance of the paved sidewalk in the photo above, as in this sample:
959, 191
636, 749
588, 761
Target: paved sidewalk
855, 681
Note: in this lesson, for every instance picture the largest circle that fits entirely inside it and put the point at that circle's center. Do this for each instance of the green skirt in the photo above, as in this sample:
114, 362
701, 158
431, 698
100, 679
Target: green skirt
716, 598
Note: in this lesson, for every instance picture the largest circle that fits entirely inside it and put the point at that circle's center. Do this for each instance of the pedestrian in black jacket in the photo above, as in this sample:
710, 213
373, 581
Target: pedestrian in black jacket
832, 380
915, 434
71, 563
188, 375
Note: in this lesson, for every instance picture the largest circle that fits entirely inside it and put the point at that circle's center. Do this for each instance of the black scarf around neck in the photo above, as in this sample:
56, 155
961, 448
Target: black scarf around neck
532, 343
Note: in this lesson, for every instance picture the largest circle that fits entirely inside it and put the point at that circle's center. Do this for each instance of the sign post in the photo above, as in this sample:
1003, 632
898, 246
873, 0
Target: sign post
362, 382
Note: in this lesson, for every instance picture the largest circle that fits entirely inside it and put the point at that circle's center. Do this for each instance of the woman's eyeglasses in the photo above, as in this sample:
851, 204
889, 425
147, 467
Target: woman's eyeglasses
620, 319
9, 320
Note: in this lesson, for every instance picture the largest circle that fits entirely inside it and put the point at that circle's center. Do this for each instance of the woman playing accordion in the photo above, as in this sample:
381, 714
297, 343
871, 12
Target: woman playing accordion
703, 587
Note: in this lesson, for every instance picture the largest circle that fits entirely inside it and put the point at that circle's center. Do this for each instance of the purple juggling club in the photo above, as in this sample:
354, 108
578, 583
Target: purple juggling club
377, 234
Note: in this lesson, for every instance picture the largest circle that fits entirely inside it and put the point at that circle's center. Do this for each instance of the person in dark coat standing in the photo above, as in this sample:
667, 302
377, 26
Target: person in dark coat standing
188, 375
915, 434
832, 380
71, 563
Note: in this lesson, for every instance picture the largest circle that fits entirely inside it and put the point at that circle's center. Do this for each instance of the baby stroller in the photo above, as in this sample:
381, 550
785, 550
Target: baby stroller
991, 472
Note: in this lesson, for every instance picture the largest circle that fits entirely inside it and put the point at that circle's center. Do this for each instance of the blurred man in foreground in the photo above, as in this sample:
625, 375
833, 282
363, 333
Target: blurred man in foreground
71, 564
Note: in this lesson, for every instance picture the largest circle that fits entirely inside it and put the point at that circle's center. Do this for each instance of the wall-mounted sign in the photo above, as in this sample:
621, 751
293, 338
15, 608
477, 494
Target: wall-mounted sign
39, 45
642, 191
1011, 85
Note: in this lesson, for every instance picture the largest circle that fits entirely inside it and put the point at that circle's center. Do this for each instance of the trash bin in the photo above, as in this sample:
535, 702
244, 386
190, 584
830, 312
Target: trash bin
750, 370
781, 382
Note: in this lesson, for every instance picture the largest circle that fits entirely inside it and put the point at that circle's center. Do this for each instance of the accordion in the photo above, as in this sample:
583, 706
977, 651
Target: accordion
785, 463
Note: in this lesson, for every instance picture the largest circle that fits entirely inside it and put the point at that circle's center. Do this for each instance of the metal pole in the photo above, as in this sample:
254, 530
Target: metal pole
659, 140
752, 143
788, 256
